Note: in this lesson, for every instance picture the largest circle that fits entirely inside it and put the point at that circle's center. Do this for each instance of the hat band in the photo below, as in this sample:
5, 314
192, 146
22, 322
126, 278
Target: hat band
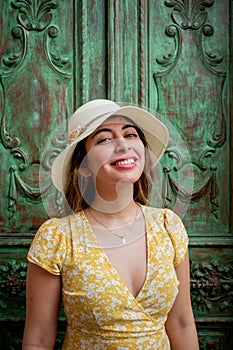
75, 133
81, 129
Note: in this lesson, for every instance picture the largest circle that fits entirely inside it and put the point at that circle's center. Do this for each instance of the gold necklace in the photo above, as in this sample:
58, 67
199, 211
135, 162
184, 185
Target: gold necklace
122, 238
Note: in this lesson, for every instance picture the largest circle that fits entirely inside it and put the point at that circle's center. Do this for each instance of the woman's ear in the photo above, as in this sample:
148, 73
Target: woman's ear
85, 172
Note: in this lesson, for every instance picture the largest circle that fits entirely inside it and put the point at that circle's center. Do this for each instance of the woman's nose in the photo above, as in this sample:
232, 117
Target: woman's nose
121, 144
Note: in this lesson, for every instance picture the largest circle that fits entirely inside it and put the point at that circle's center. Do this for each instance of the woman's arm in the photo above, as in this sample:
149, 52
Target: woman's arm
180, 325
42, 307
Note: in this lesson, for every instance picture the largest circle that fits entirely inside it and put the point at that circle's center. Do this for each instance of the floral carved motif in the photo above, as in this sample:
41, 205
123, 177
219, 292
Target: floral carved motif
189, 17
12, 283
212, 284
35, 15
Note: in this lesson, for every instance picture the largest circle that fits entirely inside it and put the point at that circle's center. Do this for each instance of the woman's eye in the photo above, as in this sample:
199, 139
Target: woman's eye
104, 140
131, 135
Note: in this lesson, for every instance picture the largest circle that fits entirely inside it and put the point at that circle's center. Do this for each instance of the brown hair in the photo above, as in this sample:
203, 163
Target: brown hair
80, 190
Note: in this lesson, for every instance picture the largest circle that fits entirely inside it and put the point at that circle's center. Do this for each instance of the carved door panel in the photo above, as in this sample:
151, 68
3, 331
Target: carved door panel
173, 57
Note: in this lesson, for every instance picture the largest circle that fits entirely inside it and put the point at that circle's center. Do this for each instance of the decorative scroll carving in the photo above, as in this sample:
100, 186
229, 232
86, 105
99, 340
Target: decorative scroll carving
212, 282
15, 60
168, 62
12, 283
33, 16
8, 141
192, 15
211, 60
56, 61
190, 196
19, 186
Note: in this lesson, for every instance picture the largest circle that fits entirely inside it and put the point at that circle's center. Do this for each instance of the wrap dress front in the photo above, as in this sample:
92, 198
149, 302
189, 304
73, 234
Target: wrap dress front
101, 311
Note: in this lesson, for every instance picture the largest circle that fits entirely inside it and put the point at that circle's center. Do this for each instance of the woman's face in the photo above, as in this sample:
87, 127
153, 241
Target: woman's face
115, 152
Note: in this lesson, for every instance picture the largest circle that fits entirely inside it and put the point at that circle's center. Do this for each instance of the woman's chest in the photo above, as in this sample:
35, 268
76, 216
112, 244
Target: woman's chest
130, 263
144, 277
145, 263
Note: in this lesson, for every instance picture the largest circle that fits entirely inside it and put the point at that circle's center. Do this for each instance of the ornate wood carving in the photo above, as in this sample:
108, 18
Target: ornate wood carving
12, 285
190, 30
212, 286
192, 195
39, 39
213, 344
25, 141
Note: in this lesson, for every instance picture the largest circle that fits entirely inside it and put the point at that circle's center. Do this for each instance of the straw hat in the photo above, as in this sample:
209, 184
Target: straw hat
92, 114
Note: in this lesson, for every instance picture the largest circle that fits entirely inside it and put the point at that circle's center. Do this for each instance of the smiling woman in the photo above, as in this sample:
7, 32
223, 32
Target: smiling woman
123, 266
115, 153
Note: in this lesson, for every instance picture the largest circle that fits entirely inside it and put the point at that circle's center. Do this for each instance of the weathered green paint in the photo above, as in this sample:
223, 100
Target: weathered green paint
170, 56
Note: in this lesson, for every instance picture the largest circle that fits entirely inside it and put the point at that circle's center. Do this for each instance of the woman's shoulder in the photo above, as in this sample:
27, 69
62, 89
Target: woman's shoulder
54, 223
167, 222
156, 212
165, 217
61, 222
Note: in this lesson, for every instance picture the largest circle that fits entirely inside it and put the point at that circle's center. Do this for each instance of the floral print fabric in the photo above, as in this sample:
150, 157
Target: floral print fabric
101, 311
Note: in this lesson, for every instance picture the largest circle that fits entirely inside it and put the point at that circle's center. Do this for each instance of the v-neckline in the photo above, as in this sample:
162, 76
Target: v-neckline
109, 263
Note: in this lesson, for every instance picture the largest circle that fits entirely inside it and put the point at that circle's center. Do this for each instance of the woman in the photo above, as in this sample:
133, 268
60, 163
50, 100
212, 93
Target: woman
122, 266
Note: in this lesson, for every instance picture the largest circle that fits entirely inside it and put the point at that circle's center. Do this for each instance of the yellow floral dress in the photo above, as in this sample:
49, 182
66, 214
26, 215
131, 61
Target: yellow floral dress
101, 311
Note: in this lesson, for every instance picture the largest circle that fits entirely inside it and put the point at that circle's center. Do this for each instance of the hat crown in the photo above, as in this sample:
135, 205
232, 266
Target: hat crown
89, 111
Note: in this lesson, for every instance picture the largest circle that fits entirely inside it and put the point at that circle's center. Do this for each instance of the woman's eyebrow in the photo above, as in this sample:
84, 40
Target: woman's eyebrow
99, 131
109, 130
128, 126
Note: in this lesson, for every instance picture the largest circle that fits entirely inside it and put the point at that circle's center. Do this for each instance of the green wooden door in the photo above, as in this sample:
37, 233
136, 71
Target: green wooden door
173, 57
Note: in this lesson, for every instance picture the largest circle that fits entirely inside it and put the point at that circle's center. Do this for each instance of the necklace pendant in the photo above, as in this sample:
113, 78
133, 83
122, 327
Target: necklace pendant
123, 240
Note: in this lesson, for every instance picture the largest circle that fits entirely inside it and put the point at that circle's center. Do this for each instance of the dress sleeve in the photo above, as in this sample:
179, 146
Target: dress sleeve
46, 248
178, 235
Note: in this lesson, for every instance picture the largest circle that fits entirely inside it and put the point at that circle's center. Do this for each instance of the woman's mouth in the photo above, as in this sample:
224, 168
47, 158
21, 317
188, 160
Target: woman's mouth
125, 163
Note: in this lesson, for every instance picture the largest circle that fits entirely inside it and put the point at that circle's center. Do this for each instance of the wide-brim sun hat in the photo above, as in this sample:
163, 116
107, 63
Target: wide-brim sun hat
90, 116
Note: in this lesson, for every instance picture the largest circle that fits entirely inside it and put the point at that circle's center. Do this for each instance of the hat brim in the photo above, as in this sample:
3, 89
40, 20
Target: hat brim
156, 134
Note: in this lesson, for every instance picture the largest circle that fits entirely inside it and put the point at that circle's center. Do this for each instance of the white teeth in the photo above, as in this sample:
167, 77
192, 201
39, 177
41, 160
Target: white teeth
124, 162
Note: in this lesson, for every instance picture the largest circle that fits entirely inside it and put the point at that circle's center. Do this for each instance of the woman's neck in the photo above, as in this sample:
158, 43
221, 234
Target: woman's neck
114, 200
120, 217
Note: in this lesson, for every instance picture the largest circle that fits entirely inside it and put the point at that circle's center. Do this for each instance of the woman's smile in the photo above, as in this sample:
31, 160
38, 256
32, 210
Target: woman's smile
125, 163
115, 152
